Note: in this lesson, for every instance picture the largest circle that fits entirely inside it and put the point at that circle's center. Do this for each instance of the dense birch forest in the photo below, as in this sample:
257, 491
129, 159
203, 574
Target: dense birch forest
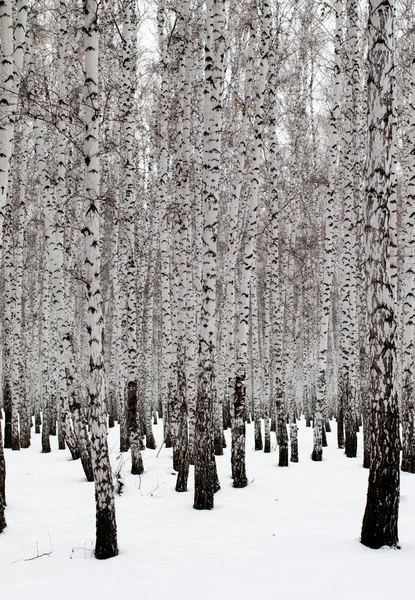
207, 215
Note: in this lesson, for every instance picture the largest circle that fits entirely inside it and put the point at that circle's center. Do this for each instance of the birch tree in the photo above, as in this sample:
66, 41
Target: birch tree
106, 530
408, 311
380, 521
205, 467
321, 388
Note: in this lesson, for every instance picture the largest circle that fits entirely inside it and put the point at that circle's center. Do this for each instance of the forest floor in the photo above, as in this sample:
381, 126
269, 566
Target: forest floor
293, 532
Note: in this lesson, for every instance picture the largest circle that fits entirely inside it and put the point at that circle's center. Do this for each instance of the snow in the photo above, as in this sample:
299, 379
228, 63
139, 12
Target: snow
292, 531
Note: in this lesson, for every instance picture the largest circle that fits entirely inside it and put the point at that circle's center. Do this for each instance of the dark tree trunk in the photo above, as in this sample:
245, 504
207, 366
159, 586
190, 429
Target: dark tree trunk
83, 446
217, 426
137, 466
323, 437
282, 434
227, 422
267, 435
366, 438
408, 424
106, 534
258, 434
52, 416
38, 422
181, 450
61, 435
7, 415
2, 484
168, 438
204, 446
238, 435
218, 445
350, 443
340, 424
112, 411
45, 431
294, 441
25, 428
150, 441
25, 423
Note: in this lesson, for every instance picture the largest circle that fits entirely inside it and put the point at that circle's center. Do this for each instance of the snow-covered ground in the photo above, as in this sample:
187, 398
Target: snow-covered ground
293, 532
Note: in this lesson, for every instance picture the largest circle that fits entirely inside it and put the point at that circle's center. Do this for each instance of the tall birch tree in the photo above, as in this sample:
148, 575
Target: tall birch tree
106, 529
205, 466
380, 521
408, 311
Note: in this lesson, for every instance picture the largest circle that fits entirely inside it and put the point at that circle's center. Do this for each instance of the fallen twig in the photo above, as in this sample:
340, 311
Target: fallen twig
161, 446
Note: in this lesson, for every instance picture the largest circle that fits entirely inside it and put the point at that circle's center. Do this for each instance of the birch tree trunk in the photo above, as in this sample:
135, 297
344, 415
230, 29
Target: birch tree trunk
321, 388
408, 401
106, 529
248, 282
380, 521
163, 220
129, 40
206, 482
6, 104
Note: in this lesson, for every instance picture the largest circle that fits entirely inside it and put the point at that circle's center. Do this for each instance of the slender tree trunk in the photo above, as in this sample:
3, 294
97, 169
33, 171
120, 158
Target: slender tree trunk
206, 482
408, 400
106, 529
380, 521
321, 388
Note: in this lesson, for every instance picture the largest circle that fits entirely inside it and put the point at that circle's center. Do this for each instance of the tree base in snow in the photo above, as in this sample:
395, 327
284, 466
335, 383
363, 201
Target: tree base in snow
3, 523
137, 466
408, 464
218, 446
240, 483
283, 456
106, 543
351, 445
150, 442
203, 496
317, 454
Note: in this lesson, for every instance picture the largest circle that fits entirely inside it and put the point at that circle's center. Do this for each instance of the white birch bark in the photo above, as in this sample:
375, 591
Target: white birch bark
181, 279
205, 467
380, 521
321, 388
408, 310
276, 297
6, 104
129, 255
164, 223
106, 530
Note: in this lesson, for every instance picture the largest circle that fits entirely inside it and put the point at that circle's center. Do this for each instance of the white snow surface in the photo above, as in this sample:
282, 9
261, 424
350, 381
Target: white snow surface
292, 532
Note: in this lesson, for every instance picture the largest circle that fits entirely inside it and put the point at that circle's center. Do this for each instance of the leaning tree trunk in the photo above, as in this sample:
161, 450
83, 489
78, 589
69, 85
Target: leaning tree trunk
106, 528
380, 521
